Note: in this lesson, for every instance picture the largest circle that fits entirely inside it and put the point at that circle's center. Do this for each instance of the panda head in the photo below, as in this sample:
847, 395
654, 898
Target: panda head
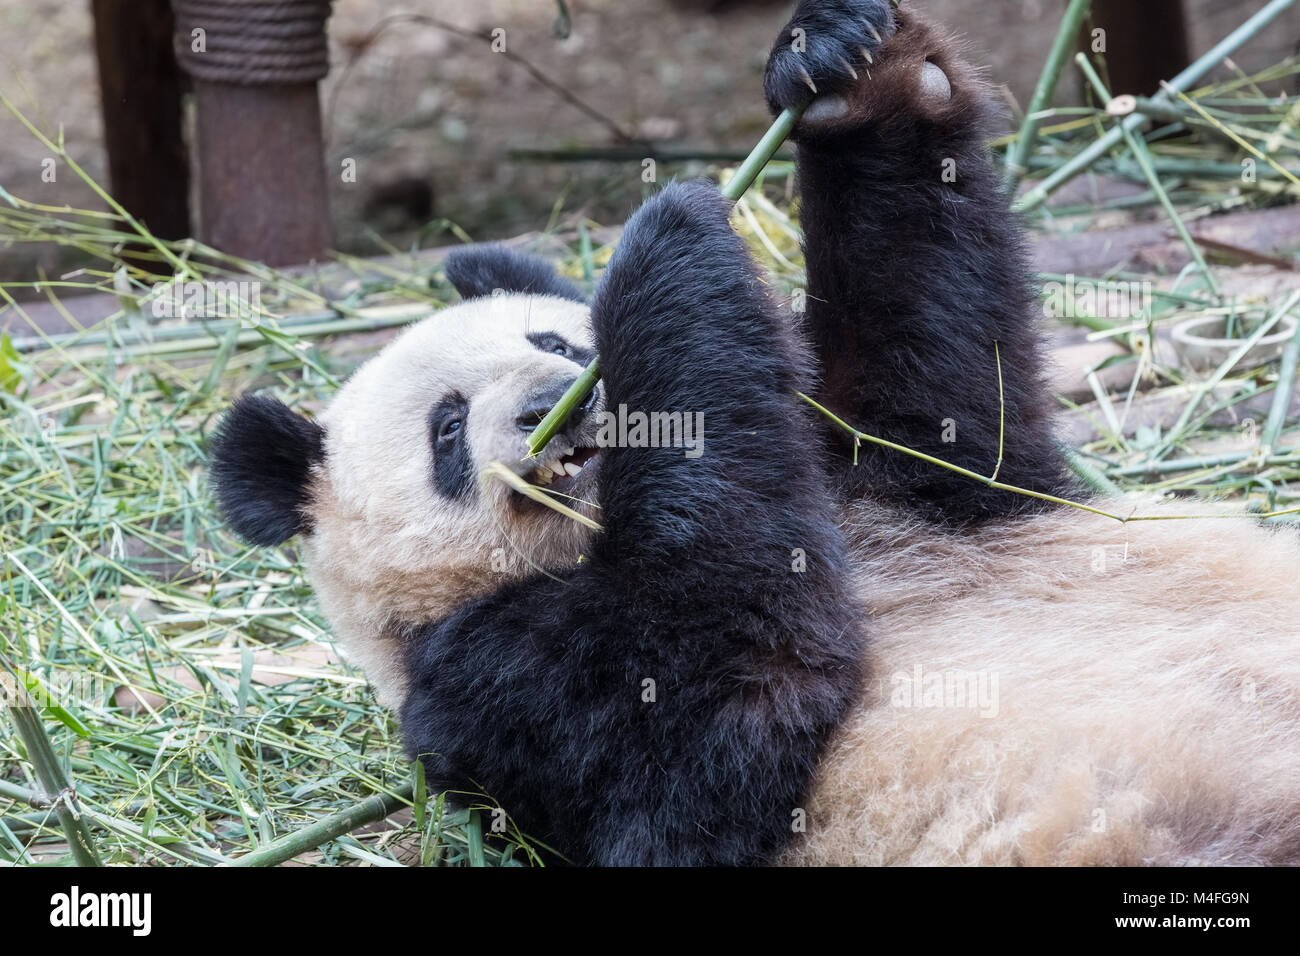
398, 524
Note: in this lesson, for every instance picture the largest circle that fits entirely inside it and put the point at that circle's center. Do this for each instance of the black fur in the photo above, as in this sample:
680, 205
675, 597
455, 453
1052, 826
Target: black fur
260, 461
558, 345
534, 695
911, 279
453, 472
480, 270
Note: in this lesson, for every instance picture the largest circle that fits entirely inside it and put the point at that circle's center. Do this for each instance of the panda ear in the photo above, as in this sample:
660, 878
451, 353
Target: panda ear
260, 462
479, 270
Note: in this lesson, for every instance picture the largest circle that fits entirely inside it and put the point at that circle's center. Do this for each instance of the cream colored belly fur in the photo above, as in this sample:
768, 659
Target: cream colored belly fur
1070, 690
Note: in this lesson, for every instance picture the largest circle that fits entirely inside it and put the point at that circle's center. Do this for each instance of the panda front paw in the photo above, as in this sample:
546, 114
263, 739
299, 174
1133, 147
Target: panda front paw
827, 46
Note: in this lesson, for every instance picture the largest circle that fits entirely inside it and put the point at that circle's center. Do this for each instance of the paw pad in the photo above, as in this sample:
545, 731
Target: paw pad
934, 83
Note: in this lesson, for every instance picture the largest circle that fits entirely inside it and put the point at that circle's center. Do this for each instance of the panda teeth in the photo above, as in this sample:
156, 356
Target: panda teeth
557, 469
571, 452
572, 470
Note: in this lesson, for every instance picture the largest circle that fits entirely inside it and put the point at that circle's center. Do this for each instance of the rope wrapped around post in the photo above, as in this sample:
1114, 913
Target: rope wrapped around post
253, 42
255, 66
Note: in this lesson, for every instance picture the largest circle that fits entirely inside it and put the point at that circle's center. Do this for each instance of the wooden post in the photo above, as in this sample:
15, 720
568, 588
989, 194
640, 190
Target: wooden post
261, 171
260, 152
140, 98
1146, 42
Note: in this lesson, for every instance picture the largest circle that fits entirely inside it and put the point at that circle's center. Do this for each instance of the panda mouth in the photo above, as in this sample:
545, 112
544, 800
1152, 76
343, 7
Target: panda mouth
562, 474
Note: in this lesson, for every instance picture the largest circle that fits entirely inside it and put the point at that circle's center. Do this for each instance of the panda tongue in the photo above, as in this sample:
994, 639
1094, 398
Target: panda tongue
580, 457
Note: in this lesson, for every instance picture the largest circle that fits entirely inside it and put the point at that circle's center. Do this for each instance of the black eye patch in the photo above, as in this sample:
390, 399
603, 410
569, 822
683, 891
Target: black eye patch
449, 440
557, 344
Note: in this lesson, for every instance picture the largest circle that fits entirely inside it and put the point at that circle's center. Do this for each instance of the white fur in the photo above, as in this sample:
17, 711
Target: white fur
1148, 705
386, 548
1147, 675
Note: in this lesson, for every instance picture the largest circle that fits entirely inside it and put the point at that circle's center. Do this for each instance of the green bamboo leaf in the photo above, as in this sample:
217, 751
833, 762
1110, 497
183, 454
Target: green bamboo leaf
63, 715
13, 370
220, 360
474, 834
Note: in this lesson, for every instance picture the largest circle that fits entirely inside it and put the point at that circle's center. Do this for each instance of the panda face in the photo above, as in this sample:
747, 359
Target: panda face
401, 521
401, 526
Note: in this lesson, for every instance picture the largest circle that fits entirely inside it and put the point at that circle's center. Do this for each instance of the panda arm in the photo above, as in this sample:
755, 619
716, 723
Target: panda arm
916, 266
667, 700
684, 322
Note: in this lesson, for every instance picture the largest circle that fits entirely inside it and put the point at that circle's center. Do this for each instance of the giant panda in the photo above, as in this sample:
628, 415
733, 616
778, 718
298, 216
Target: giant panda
790, 648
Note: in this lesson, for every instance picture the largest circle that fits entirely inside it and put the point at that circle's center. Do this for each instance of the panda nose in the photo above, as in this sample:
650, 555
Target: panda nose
538, 406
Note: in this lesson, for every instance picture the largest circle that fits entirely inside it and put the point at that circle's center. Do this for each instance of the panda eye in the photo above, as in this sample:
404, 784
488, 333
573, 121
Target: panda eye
447, 419
550, 342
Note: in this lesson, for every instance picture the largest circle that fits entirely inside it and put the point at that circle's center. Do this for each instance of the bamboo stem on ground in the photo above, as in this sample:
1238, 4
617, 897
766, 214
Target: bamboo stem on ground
1091, 476
1169, 166
1015, 489
52, 778
1220, 127
1084, 160
1282, 397
1289, 457
369, 810
1138, 147
1018, 155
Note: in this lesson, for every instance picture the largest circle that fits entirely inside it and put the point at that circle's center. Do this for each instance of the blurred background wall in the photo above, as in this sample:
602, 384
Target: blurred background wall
429, 117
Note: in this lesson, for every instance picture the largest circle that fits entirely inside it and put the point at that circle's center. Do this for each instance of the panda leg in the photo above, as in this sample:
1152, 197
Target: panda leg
918, 279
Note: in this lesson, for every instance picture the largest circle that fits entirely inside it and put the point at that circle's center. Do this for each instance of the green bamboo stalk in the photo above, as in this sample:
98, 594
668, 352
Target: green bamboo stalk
1289, 457
761, 155
23, 822
735, 188
1092, 477
1232, 135
861, 436
1140, 153
369, 810
52, 778
1282, 397
22, 794
1169, 166
1018, 155
1184, 80
1123, 106
189, 852
253, 335
213, 330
